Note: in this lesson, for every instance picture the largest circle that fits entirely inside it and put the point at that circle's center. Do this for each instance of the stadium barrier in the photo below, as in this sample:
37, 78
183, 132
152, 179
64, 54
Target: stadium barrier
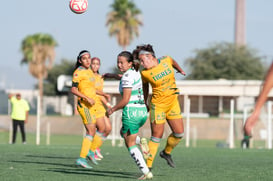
196, 128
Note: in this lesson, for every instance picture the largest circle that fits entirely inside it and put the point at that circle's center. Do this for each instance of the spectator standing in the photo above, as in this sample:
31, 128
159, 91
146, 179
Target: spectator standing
19, 115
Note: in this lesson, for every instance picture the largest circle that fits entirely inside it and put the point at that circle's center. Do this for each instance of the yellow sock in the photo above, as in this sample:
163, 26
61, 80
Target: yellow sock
86, 143
153, 146
171, 143
97, 141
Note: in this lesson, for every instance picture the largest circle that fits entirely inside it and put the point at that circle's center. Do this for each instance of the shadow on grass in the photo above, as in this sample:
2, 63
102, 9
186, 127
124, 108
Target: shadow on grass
73, 169
95, 172
54, 157
42, 163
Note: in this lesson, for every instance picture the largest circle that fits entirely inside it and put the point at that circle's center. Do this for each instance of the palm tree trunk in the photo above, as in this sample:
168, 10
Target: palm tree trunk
41, 88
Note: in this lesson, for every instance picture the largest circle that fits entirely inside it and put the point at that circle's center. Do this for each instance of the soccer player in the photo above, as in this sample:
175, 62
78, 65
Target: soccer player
164, 105
83, 86
134, 112
103, 123
252, 119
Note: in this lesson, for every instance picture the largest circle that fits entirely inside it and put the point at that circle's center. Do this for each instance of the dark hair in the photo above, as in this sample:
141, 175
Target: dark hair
129, 57
145, 47
79, 58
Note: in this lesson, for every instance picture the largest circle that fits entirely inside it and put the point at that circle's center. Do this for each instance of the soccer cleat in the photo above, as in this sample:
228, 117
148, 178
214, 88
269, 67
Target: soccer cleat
81, 162
91, 156
145, 148
98, 153
147, 176
96, 157
168, 158
245, 142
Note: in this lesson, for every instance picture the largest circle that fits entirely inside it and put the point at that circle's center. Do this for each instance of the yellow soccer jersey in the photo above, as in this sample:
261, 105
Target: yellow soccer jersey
99, 85
86, 81
162, 80
99, 82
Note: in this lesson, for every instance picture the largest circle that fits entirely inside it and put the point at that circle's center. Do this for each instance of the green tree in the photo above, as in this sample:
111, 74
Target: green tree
66, 67
39, 53
124, 21
227, 61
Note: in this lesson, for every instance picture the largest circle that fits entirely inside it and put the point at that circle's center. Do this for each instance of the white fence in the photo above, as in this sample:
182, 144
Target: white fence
191, 131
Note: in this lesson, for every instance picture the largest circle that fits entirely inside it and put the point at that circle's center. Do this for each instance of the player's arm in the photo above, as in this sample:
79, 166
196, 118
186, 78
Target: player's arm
105, 102
123, 102
115, 76
252, 119
110, 75
268, 84
145, 86
26, 120
177, 67
11, 95
76, 92
101, 93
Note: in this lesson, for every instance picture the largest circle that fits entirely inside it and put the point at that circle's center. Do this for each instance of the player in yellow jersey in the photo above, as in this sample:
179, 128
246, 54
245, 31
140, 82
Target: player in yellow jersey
103, 123
164, 105
83, 86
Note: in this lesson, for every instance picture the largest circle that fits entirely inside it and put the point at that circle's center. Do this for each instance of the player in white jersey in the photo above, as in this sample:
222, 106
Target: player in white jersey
134, 111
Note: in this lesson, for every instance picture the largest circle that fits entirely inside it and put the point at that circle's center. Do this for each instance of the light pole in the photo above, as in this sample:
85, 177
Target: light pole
240, 23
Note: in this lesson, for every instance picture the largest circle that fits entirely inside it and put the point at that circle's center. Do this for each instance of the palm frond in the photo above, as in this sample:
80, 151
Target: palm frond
123, 21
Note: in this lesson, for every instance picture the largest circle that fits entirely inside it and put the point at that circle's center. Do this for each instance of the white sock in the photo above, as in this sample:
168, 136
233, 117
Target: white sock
137, 140
137, 156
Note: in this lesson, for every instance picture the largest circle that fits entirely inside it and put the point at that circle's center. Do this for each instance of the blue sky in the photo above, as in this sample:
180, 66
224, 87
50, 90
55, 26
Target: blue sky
175, 28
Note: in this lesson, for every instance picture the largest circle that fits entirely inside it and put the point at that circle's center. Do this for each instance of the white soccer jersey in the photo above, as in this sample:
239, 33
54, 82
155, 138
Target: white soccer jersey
132, 79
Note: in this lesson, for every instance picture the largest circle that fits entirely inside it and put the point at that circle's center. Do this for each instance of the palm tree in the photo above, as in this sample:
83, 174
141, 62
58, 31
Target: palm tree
124, 21
39, 53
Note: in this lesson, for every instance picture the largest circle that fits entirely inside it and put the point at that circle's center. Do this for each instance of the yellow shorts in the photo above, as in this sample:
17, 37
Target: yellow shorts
88, 114
100, 111
159, 113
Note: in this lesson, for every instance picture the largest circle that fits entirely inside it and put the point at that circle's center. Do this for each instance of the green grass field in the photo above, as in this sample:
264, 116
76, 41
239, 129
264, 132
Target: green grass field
56, 162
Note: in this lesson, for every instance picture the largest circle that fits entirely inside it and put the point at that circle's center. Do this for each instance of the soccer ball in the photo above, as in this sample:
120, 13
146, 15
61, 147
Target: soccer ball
78, 6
